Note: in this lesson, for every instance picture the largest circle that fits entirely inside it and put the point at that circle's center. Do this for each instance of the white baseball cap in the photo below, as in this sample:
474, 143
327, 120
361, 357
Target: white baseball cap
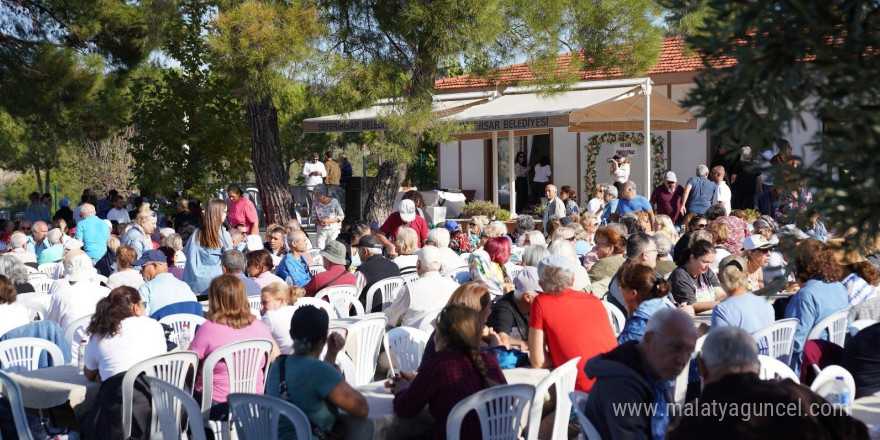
670, 177
407, 210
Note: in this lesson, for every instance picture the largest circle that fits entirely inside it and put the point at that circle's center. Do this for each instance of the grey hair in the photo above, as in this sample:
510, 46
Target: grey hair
496, 229
629, 184
536, 238
566, 249
430, 259
439, 236
554, 279
702, 170
611, 189
661, 317
174, 241
664, 244
12, 268
87, 209
563, 233
728, 346
638, 243
533, 254
525, 223
17, 240
233, 261
54, 236
620, 228
700, 234
165, 233
291, 236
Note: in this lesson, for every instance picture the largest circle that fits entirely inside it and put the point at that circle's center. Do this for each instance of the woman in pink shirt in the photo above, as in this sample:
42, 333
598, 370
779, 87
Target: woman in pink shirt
229, 320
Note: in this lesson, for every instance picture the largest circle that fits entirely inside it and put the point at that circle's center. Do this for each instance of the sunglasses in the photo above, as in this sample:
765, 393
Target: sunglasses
701, 225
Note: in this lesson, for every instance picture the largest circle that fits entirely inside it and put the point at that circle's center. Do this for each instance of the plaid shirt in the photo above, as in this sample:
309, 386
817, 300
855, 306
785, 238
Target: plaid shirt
444, 379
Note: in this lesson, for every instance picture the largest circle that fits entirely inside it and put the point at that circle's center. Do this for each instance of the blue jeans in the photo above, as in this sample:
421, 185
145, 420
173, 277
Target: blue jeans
767, 199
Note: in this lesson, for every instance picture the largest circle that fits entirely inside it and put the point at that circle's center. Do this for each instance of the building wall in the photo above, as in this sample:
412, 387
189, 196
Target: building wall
474, 168
448, 163
566, 167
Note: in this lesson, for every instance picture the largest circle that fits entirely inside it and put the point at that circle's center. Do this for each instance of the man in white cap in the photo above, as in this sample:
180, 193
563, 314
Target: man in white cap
75, 295
427, 294
512, 310
667, 198
404, 216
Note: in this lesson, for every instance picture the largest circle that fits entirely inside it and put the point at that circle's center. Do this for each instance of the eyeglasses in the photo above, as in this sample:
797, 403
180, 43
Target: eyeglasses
701, 225
25, 229
763, 251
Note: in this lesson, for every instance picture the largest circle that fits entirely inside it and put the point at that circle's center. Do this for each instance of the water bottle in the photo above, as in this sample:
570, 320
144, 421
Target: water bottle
515, 336
81, 356
185, 337
841, 395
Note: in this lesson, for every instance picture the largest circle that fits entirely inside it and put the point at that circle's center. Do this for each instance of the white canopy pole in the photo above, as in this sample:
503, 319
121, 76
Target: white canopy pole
495, 167
648, 151
511, 174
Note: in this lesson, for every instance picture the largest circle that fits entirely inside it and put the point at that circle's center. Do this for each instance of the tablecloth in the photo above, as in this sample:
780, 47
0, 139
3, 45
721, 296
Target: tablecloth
54, 386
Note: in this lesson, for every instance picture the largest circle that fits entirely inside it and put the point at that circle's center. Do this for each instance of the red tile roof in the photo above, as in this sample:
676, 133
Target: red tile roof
672, 60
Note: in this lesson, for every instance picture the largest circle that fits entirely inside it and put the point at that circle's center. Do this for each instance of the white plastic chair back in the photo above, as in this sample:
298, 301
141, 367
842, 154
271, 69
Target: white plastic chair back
315, 253
169, 405
243, 361
36, 311
319, 303
773, 369
460, 274
42, 283
256, 417
777, 339
862, 324
579, 401
173, 368
176, 322
410, 277
254, 304
53, 270
825, 381
615, 317
314, 270
12, 392
513, 270
23, 354
836, 324
427, 323
500, 410
388, 288
408, 345
74, 334
367, 334
37, 275
681, 381
342, 301
563, 377
180, 264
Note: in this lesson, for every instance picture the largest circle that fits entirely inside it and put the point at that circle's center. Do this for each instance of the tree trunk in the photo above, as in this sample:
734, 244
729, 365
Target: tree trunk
381, 200
39, 179
271, 176
47, 185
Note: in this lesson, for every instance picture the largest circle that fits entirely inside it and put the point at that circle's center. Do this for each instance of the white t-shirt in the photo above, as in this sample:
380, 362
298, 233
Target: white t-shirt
120, 215
406, 263
722, 194
720, 253
139, 338
12, 316
427, 294
129, 277
621, 174
310, 167
278, 321
594, 206
73, 301
542, 173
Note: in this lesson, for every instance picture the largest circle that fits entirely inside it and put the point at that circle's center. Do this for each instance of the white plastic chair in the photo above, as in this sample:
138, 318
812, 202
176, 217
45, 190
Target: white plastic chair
408, 345
173, 368
367, 334
579, 401
513, 270
74, 334
180, 264
773, 369
835, 323
169, 405
862, 324
53, 270
427, 323
615, 317
37, 275
315, 253
778, 338
254, 304
342, 300
256, 417
681, 381
388, 288
563, 378
410, 277
23, 354
12, 392
500, 410
460, 274
176, 322
242, 361
41, 284
314, 270
319, 303
826, 378
36, 311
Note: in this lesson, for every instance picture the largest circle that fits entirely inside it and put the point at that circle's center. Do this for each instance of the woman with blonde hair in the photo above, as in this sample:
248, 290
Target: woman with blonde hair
229, 320
205, 247
590, 223
276, 307
126, 274
663, 225
138, 235
406, 243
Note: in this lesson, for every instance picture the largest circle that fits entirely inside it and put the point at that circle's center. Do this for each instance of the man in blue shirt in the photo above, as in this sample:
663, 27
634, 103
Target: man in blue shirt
631, 202
294, 264
161, 288
37, 240
698, 192
93, 232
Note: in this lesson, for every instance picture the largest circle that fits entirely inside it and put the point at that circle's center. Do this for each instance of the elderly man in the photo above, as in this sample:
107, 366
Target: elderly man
555, 206
55, 252
637, 373
242, 211
93, 232
611, 201
561, 312
512, 310
667, 198
335, 273
37, 240
233, 263
404, 216
698, 192
439, 237
631, 202
162, 289
18, 244
374, 267
314, 172
294, 264
427, 294
721, 195
764, 409
76, 294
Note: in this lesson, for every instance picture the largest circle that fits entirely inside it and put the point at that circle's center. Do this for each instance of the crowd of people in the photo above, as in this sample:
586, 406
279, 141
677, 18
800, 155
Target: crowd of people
489, 290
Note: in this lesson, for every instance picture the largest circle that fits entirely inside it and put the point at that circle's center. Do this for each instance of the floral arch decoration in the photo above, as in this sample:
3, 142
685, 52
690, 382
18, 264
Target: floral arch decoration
594, 144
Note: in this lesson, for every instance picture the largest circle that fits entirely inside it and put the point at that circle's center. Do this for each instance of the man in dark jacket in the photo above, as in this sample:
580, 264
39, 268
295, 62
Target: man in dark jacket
632, 379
